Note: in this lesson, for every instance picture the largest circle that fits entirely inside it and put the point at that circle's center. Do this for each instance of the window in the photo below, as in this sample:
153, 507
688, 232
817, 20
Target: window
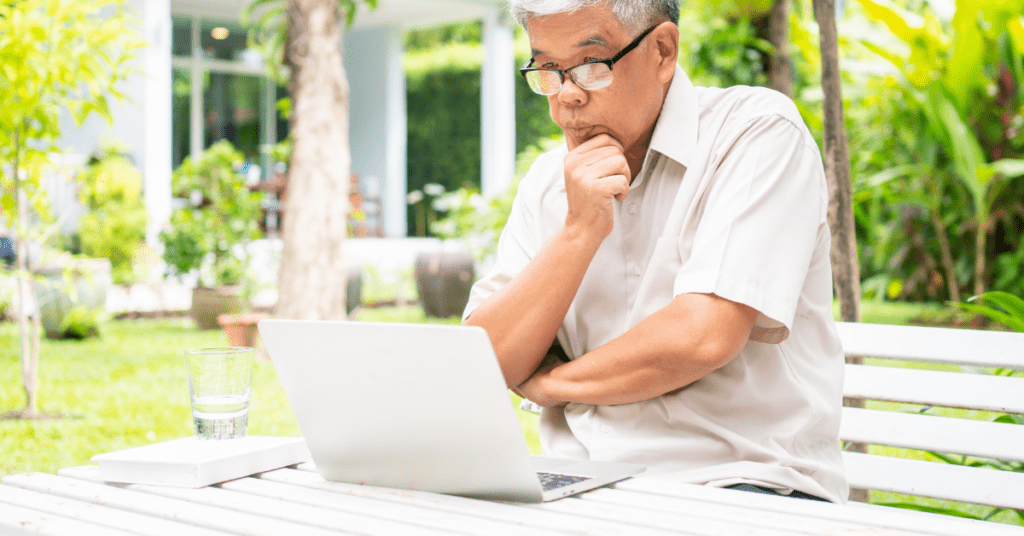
221, 91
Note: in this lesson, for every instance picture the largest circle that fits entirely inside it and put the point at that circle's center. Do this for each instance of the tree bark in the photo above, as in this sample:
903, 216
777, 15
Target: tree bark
312, 276
845, 268
29, 340
774, 28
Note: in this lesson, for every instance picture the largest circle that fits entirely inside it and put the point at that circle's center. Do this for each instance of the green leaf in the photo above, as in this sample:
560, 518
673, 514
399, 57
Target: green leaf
1012, 304
1010, 418
964, 71
999, 316
1010, 168
960, 141
904, 24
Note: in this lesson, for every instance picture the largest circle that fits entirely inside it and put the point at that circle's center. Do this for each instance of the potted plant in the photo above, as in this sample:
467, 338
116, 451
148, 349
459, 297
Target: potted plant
208, 233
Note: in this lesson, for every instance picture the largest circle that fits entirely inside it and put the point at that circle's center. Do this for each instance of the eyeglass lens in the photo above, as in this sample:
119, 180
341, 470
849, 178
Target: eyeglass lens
587, 76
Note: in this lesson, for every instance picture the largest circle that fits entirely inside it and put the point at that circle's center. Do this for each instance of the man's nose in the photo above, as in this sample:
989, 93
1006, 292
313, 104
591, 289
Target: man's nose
571, 94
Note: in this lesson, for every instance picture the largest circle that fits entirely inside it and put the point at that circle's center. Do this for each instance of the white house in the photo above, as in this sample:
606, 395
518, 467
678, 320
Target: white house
199, 82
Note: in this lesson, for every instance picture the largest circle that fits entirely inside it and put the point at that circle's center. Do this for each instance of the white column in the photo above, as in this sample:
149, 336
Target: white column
396, 136
156, 64
498, 104
377, 122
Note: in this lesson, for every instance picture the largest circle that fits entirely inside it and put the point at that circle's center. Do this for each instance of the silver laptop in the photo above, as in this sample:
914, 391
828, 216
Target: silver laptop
415, 406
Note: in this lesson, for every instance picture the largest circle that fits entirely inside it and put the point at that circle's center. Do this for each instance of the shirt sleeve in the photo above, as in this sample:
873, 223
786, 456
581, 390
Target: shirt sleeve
758, 224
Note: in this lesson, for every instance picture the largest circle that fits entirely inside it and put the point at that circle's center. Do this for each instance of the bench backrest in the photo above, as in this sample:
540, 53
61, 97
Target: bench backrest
960, 383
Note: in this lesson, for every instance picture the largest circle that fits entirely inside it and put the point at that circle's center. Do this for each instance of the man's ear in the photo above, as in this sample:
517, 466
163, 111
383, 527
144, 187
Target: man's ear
666, 42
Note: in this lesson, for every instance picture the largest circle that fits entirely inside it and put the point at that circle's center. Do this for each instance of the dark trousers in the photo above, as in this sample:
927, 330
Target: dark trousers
769, 491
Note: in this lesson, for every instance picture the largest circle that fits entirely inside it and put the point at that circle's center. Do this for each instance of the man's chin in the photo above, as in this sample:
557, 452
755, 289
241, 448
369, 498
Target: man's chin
574, 137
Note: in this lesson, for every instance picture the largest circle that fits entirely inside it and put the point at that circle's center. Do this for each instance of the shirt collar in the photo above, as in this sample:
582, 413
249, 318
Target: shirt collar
675, 134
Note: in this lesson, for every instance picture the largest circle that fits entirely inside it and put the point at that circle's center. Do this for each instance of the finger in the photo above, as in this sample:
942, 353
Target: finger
615, 165
601, 140
616, 186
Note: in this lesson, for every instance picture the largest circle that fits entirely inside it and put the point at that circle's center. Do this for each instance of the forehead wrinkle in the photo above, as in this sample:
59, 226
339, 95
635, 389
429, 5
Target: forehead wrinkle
596, 40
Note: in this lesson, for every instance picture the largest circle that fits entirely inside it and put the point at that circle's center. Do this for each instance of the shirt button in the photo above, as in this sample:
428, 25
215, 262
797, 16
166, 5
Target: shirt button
605, 429
636, 270
632, 209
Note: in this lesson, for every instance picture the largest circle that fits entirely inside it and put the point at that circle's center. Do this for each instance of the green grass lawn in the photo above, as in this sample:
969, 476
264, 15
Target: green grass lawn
128, 388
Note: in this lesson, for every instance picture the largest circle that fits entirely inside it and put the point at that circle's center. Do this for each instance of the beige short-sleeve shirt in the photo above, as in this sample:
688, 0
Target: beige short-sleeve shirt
731, 200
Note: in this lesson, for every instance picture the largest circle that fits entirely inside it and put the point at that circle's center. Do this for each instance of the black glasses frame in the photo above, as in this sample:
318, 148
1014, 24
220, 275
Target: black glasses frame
525, 69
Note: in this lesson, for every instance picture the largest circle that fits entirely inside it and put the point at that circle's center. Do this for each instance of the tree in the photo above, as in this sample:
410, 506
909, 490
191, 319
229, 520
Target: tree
54, 55
311, 282
774, 28
845, 267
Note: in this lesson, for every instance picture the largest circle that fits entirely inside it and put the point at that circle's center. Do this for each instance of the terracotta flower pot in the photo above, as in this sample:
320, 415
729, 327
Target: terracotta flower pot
241, 328
208, 303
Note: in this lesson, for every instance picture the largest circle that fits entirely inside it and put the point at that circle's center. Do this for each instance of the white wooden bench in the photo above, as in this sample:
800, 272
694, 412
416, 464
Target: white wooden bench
968, 388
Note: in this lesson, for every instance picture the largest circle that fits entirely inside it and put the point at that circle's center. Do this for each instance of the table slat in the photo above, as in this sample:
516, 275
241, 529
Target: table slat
18, 520
161, 507
352, 521
417, 514
511, 512
879, 518
99, 515
676, 518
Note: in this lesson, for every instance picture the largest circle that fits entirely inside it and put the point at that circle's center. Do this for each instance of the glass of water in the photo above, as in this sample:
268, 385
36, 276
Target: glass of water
219, 381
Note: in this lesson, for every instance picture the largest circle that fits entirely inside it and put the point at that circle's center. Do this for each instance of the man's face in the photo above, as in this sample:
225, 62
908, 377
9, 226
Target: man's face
628, 108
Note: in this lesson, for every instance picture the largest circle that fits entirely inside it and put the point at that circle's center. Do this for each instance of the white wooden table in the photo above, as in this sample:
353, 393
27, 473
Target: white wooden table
296, 501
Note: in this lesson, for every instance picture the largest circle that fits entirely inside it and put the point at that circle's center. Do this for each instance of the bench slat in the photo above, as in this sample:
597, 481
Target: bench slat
937, 480
935, 345
933, 388
928, 432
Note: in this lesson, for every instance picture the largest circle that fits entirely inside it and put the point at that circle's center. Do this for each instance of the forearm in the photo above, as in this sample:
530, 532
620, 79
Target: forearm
676, 346
523, 317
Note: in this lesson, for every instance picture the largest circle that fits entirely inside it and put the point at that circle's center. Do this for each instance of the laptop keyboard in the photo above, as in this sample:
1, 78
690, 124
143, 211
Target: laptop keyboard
550, 481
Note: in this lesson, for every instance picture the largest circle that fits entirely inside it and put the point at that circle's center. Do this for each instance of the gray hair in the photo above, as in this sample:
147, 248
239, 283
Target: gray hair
635, 15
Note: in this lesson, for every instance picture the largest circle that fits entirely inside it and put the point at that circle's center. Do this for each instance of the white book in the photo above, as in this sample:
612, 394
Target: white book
194, 463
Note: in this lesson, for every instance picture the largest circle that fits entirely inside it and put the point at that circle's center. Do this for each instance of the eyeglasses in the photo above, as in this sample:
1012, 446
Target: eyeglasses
590, 75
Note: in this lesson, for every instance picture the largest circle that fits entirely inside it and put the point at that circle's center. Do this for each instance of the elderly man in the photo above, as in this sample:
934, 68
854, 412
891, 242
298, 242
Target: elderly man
677, 249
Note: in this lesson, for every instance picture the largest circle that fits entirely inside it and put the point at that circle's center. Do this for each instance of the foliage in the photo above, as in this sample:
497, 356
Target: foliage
1005, 308
720, 50
937, 202
270, 31
439, 36
478, 220
443, 96
115, 224
208, 235
81, 323
55, 55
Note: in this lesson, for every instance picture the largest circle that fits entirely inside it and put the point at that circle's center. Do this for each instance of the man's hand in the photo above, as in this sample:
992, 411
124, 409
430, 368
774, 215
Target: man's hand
532, 389
595, 173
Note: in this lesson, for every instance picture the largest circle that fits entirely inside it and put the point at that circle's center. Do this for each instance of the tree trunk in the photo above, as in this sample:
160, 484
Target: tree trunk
945, 250
774, 28
845, 269
29, 340
312, 277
